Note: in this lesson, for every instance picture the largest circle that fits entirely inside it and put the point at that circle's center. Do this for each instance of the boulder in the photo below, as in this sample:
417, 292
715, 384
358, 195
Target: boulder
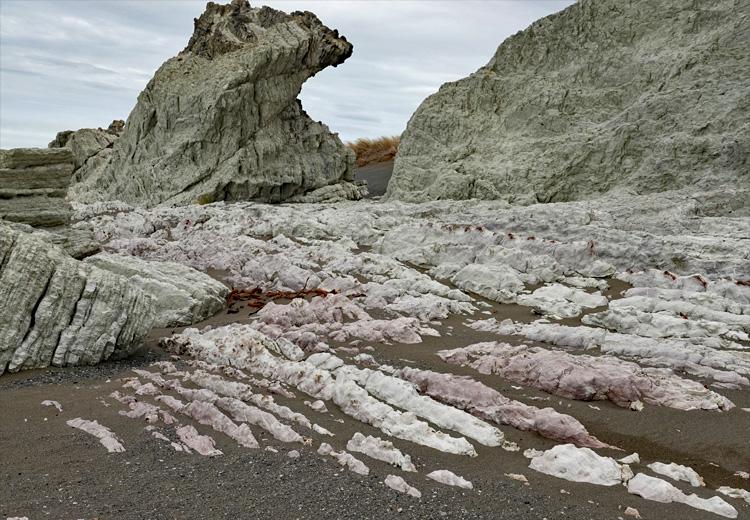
221, 120
33, 185
63, 312
604, 96
182, 295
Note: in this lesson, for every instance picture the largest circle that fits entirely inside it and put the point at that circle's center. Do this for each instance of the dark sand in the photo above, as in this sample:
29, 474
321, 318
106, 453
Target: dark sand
50, 470
377, 176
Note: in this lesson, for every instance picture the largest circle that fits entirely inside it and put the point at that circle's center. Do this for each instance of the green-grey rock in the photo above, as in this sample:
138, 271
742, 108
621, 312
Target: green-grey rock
33, 186
58, 311
182, 295
221, 120
635, 96
87, 143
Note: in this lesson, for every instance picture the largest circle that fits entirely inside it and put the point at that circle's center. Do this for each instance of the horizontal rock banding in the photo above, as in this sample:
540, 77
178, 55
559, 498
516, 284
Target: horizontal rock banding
33, 186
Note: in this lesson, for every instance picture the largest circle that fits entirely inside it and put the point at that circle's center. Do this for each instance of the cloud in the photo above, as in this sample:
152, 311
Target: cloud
76, 63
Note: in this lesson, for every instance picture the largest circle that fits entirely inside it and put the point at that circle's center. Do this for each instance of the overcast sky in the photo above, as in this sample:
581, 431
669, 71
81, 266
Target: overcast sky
68, 64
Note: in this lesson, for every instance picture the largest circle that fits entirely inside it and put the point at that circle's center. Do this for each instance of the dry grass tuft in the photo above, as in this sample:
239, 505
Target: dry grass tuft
377, 150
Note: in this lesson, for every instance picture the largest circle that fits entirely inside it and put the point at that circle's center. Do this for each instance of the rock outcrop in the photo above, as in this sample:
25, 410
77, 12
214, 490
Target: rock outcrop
88, 144
58, 311
221, 120
640, 97
182, 295
33, 185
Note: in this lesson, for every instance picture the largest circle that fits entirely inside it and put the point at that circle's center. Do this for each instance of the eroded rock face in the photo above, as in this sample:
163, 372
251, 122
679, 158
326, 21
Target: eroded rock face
90, 146
33, 185
596, 98
64, 312
221, 120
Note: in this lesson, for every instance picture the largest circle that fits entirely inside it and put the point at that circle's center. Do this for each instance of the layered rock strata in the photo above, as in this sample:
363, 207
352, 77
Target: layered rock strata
182, 295
221, 120
58, 311
33, 186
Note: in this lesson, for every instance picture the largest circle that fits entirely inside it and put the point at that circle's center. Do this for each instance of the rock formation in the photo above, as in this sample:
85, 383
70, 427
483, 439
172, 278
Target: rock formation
63, 312
88, 143
182, 295
642, 97
67, 312
33, 185
221, 120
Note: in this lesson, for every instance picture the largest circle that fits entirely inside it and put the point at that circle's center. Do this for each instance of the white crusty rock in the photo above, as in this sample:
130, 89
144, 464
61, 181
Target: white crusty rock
399, 484
53, 403
633, 458
245, 348
540, 123
632, 512
677, 472
631, 320
221, 120
652, 488
404, 395
243, 412
579, 465
345, 459
449, 479
182, 295
208, 414
317, 405
377, 448
64, 312
561, 301
735, 493
106, 437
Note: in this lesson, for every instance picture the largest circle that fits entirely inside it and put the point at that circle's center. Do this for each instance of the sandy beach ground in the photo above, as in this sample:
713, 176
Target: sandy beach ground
51, 470
377, 176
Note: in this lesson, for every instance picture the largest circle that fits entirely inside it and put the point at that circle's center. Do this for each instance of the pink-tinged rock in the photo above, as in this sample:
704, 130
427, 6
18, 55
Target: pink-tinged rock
399, 484
106, 437
489, 404
203, 444
138, 409
586, 378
